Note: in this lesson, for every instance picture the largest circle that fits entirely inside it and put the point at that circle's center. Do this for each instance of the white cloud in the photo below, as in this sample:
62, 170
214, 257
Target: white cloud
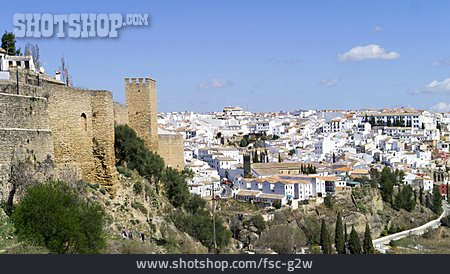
441, 107
438, 86
372, 51
442, 62
214, 84
328, 83
434, 87
377, 29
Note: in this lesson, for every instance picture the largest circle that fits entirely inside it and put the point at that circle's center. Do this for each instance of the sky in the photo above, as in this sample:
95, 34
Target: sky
262, 55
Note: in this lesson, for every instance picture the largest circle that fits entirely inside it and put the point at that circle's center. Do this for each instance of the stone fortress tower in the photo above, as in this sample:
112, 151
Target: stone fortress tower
141, 114
142, 109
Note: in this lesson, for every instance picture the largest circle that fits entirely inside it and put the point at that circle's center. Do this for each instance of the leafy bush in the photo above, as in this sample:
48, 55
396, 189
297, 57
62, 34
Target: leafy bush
329, 201
140, 207
131, 150
124, 171
258, 221
276, 204
137, 188
195, 204
200, 226
283, 239
54, 216
176, 187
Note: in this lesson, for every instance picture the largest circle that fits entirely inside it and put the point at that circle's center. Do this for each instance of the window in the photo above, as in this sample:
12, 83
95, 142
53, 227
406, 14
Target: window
84, 121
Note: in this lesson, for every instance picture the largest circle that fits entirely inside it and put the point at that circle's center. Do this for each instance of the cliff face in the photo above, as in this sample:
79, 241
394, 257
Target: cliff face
365, 205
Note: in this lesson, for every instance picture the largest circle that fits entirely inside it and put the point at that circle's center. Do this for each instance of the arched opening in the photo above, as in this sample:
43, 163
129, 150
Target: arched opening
84, 121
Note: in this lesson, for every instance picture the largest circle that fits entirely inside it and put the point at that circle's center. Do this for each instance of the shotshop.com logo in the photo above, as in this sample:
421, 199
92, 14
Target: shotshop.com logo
74, 25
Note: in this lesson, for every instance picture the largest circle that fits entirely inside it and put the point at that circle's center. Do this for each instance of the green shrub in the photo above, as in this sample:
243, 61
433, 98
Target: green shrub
200, 227
276, 204
259, 222
329, 201
176, 187
54, 216
124, 171
140, 207
130, 149
137, 188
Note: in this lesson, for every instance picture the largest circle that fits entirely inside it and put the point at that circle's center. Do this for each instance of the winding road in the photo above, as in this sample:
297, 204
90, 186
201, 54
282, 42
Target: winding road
382, 244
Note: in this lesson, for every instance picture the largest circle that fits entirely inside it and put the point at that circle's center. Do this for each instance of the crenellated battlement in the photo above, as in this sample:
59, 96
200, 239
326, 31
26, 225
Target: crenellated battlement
139, 82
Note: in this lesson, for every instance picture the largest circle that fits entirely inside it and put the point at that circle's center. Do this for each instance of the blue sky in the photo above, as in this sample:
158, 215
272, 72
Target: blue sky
262, 55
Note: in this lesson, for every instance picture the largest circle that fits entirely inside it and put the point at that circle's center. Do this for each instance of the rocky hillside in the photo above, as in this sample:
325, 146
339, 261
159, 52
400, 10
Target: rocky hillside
290, 230
135, 204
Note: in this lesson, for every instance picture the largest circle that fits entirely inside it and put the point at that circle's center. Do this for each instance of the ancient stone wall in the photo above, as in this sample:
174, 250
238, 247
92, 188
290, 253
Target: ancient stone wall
24, 129
25, 112
82, 123
171, 149
120, 114
103, 138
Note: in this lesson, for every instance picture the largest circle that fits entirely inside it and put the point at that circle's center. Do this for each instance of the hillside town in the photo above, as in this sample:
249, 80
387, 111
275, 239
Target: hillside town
290, 158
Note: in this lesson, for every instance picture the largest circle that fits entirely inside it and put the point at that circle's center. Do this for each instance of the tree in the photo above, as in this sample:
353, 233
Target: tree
325, 241
354, 244
66, 76
279, 158
33, 50
243, 142
54, 216
9, 44
421, 195
345, 233
176, 187
276, 204
259, 222
436, 205
130, 151
405, 199
367, 243
387, 180
200, 226
372, 121
339, 241
328, 201
195, 204
282, 238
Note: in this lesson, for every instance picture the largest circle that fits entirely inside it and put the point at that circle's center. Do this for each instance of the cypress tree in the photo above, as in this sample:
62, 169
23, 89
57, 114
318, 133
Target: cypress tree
427, 200
436, 205
367, 243
421, 195
339, 242
345, 233
354, 244
325, 241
